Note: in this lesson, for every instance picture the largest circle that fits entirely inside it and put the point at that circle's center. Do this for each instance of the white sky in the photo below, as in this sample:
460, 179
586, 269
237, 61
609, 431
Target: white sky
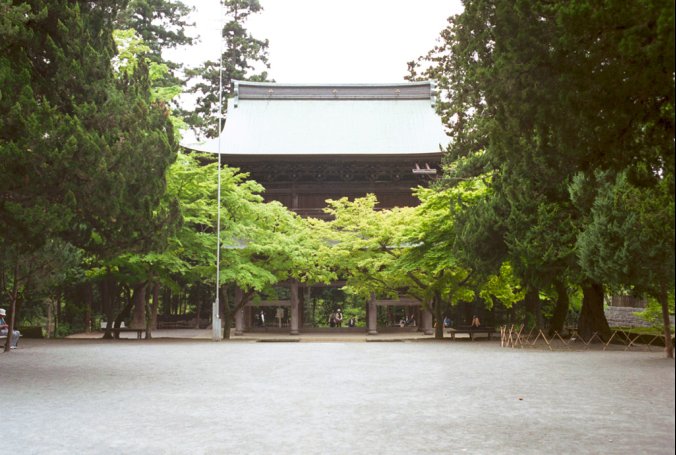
331, 41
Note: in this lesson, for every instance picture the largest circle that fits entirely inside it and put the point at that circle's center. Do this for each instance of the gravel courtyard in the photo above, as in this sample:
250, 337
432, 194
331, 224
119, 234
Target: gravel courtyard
200, 397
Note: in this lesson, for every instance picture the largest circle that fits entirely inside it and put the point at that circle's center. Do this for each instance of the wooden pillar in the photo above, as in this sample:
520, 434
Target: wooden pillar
306, 301
427, 322
295, 316
372, 316
239, 315
89, 299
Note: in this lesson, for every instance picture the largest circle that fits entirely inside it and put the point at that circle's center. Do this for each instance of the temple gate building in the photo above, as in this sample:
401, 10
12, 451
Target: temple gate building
306, 143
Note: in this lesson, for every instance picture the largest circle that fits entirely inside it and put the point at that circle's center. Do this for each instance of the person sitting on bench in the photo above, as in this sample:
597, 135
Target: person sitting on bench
475, 321
4, 330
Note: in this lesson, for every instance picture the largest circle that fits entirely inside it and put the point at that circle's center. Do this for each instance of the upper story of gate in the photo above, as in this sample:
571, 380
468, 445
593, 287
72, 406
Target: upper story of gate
267, 120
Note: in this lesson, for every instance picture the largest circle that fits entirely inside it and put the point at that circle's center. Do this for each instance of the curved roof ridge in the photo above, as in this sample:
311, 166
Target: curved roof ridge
323, 84
276, 91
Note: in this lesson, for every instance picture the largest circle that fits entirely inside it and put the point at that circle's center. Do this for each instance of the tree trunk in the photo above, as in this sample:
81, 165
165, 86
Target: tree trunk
307, 298
13, 296
439, 325
12, 321
533, 306
151, 320
664, 302
139, 299
592, 318
198, 306
107, 304
89, 298
57, 312
50, 318
166, 300
156, 306
124, 314
174, 304
314, 312
561, 309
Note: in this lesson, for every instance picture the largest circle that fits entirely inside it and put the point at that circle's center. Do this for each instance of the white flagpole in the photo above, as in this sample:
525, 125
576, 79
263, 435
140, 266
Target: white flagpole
215, 316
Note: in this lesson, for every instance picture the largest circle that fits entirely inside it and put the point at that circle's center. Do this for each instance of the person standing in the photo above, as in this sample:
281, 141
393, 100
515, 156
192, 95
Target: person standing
411, 321
4, 330
262, 318
339, 318
279, 315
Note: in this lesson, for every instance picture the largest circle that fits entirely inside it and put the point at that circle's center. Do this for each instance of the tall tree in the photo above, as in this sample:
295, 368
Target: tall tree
629, 239
82, 153
242, 57
161, 24
539, 91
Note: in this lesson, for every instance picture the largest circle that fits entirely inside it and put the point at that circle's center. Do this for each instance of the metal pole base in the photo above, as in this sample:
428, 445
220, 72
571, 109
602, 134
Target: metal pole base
216, 330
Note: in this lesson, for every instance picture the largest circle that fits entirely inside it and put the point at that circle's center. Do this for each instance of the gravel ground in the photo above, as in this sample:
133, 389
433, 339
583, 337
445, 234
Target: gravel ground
200, 397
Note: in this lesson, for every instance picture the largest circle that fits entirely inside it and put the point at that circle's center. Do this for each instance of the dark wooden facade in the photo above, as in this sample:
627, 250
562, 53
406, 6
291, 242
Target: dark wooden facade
304, 183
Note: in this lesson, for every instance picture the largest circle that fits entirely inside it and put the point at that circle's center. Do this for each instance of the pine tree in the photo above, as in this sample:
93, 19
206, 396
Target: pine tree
628, 240
536, 92
82, 155
161, 25
242, 54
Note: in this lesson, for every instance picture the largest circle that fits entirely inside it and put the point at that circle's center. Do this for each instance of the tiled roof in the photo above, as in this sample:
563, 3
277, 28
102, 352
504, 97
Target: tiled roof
330, 119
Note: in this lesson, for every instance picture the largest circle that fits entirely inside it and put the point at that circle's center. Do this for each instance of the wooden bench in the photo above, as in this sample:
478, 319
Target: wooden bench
105, 324
471, 331
139, 332
4, 337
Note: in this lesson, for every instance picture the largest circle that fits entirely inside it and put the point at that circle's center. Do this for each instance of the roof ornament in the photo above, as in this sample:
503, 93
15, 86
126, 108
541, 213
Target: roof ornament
427, 170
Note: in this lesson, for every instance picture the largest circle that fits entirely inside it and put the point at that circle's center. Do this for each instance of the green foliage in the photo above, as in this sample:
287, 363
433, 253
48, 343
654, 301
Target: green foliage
83, 154
63, 330
160, 24
411, 250
536, 92
241, 57
130, 47
652, 313
628, 239
504, 287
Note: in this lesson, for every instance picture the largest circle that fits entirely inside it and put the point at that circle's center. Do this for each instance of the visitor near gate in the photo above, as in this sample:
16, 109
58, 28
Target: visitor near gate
352, 322
475, 321
262, 318
447, 322
279, 315
4, 330
339, 318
